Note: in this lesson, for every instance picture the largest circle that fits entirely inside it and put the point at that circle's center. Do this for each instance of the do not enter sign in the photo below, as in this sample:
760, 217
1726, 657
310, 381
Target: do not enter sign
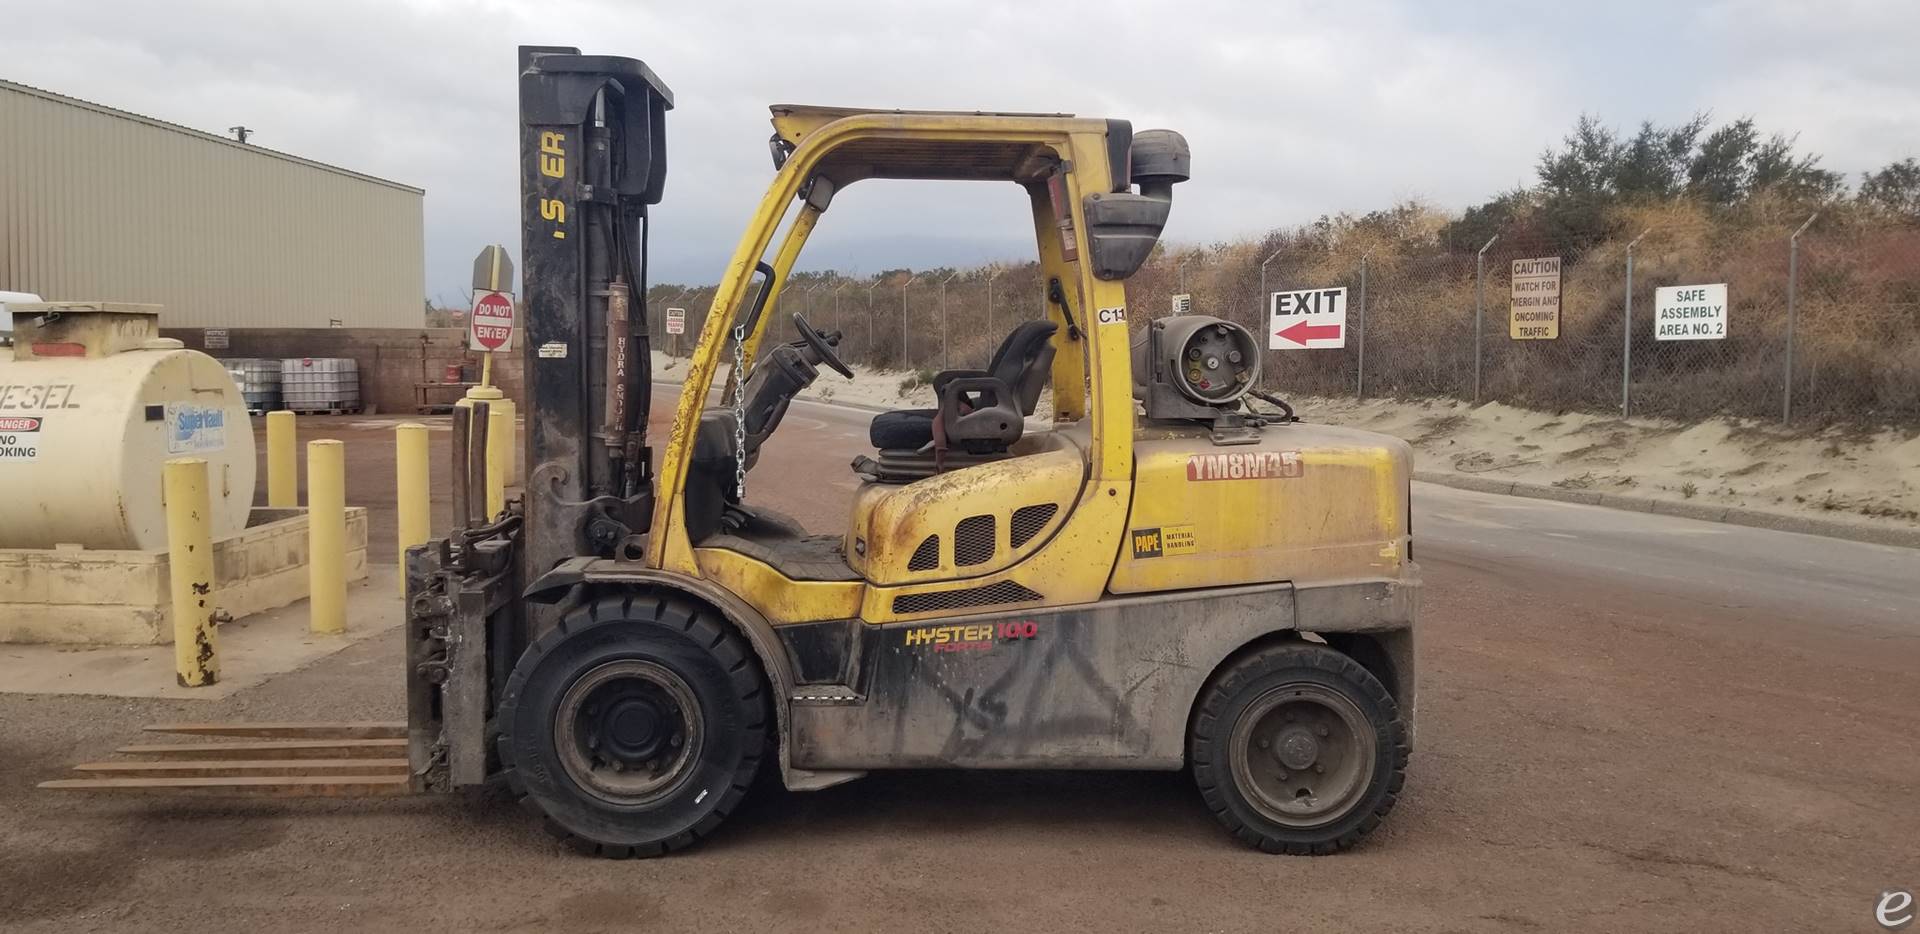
490, 326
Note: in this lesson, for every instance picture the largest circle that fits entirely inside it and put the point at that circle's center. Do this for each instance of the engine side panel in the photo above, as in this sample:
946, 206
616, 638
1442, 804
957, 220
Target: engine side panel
968, 522
1107, 685
1307, 504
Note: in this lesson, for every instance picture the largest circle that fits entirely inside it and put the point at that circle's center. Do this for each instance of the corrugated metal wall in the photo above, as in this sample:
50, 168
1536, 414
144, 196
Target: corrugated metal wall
96, 204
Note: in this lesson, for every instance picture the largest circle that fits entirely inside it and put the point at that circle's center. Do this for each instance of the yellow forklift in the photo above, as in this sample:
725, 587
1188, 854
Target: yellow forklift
1160, 575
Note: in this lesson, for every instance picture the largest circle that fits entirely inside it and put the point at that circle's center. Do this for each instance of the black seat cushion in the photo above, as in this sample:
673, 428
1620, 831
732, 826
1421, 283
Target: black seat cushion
909, 429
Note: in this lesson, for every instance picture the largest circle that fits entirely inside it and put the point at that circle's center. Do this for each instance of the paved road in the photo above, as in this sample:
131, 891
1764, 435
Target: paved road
1628, 722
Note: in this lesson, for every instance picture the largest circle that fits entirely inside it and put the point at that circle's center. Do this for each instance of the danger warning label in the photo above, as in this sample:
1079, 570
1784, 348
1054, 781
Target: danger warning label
19, 437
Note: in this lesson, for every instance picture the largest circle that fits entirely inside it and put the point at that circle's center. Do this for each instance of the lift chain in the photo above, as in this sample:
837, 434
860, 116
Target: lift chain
739, 413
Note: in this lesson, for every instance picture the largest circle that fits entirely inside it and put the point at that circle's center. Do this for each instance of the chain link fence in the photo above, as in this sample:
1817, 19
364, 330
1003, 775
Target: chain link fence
1819, 325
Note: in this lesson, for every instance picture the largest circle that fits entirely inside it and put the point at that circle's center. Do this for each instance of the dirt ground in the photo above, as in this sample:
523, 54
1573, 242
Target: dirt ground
1589, 757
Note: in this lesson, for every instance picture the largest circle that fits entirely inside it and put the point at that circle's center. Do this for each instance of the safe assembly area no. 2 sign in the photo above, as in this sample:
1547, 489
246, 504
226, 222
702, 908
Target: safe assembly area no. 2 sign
1690, 313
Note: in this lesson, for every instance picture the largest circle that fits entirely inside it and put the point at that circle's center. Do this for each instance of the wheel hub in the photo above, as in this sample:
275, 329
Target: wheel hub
628, 731
1296, 749
1303, 754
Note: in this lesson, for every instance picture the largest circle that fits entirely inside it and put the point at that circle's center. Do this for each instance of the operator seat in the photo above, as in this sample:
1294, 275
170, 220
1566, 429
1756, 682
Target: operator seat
980, 415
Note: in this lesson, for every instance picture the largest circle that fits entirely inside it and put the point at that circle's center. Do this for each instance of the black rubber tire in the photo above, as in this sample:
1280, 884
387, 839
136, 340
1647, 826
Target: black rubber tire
1234, 689
696, 644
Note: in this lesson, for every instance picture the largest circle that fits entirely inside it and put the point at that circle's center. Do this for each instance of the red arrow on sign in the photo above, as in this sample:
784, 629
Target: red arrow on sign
1300, 332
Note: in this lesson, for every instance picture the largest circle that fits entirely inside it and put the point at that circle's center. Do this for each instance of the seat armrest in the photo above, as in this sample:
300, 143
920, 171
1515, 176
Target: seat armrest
976, 392
942, 378
990, 420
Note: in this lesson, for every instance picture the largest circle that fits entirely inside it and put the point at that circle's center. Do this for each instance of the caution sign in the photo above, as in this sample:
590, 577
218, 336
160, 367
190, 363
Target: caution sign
676, 321
1533, 311
19, 437
1690, 313
1307, 319
490, 326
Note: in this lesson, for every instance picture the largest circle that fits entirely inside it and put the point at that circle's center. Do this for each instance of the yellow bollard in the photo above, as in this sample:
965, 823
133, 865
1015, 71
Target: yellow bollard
196, 657
283, 468
500, 431
327, 536
413, 490
501, 438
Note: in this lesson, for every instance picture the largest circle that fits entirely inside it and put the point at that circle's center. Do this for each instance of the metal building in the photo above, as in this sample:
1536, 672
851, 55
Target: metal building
100, 204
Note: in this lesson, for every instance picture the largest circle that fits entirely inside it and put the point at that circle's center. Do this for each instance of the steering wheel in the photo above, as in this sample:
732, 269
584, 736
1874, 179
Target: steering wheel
817, 340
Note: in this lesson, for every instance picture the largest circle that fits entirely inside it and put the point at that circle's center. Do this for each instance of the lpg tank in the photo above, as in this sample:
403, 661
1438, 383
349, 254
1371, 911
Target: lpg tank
92, 403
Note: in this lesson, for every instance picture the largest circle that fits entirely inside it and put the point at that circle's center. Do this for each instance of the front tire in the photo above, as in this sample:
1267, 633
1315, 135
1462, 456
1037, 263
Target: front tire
635, 726
1298, 749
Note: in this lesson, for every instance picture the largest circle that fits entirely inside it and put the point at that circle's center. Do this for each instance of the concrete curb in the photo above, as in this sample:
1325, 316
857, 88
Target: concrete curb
1706, 512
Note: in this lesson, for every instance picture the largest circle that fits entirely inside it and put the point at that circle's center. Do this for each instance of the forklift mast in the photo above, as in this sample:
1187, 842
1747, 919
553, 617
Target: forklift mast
592, 159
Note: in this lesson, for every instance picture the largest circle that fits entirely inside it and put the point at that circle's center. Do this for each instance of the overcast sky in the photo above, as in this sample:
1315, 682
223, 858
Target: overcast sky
1292, 109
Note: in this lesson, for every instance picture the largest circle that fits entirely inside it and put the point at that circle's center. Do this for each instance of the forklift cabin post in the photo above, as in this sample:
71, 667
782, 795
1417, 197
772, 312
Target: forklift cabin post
1094, 308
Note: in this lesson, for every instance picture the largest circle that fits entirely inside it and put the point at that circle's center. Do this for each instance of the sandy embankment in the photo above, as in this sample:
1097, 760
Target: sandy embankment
1834, 473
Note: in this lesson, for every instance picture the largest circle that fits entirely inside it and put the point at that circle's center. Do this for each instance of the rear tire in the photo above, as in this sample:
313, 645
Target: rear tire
1298, 749
635, 726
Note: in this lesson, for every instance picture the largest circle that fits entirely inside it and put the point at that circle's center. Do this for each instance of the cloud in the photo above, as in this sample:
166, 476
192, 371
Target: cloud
1292, 109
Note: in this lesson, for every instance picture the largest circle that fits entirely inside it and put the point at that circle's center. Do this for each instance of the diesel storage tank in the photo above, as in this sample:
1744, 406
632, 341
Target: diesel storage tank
93, 403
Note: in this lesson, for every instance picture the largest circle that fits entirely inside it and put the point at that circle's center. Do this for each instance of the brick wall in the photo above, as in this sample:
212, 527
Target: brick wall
391, 360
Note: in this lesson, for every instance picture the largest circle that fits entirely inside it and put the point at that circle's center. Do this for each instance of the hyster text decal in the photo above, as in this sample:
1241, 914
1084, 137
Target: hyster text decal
1249, 465
980, 636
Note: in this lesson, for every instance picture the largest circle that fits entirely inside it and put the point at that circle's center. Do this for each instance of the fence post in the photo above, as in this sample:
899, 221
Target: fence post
946, 354
196, 656
990, 277
906, 347
1260, 309
1479, 309
873, 345
1626, 333
1360, 378
1793, 315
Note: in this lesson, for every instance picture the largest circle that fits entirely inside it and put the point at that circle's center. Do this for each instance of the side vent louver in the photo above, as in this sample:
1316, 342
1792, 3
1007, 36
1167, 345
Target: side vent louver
927, 556
1029, 520
991, 594
973, 541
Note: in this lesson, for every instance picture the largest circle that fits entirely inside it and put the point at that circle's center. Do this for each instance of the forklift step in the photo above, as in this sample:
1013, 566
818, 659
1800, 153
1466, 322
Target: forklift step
274, 749
233, 768
826, 694
291, 786
393, 729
